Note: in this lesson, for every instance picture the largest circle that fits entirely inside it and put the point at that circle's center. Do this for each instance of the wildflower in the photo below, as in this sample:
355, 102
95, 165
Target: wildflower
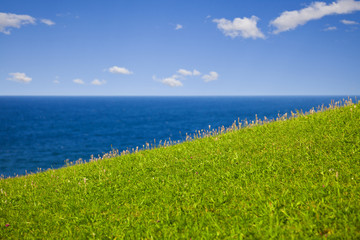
323, 185
7, 225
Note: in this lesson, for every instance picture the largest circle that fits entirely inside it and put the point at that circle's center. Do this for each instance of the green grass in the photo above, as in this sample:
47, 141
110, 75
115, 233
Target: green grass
293, 179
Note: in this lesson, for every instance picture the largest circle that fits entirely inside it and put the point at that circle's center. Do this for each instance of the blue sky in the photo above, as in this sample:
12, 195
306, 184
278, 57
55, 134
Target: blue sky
179, 47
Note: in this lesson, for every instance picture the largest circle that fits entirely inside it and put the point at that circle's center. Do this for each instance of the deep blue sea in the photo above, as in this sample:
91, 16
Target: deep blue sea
43, 132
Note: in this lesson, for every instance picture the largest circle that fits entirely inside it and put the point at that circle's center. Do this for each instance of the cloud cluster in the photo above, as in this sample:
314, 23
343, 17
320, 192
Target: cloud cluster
94, 82
185, 72
290, 20
176, 79
10, 20
98, 82
119, 70
19, 77
244, 27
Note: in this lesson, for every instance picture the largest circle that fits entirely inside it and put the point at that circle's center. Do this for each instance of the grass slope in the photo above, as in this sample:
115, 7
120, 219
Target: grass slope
293, 179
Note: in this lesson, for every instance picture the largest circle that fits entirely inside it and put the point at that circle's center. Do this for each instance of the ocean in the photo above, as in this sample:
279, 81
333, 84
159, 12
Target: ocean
44, 132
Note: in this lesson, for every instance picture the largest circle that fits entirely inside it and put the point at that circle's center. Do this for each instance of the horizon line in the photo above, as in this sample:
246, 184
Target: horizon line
280, 95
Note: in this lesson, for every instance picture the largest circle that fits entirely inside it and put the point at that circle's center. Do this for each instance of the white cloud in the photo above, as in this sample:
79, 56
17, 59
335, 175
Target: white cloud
176, 79
244, 27
98, 82
78, 81
178, 27
10, 20
348, 22
330, 29
196, 72
212, 76
185, 72
68, 15
119, 70
289, 20
47, 22
20, 77
172, 82
56, 81
207, 18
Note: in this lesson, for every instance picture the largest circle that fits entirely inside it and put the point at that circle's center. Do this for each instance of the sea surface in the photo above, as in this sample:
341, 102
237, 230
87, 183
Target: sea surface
44, 132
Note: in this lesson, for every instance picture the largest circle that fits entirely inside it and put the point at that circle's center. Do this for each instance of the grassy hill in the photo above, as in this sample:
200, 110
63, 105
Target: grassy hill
289, 179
